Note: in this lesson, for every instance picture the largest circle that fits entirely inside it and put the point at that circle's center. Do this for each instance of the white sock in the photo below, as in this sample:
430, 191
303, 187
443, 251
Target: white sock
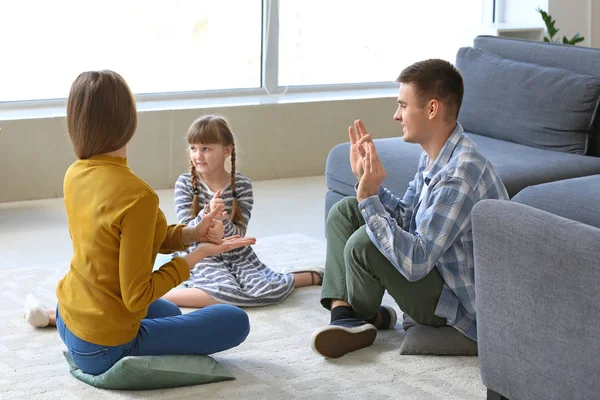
35, 312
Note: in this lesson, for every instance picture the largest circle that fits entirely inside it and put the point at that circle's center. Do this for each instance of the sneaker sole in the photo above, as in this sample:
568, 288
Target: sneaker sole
335, 341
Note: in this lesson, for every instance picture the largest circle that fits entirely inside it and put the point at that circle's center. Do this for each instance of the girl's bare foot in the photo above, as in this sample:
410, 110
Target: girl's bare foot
307, 277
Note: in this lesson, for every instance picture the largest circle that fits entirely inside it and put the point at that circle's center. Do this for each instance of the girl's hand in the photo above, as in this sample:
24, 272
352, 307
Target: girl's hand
201, 230
215, 232
217, 202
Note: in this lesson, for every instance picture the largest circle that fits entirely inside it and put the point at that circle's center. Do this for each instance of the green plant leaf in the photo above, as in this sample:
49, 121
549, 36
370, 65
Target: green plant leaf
547, 18
551, 29
574, 40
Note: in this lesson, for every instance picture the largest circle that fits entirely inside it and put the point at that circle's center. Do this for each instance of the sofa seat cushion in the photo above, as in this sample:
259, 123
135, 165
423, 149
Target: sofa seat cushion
519, 166
577, 198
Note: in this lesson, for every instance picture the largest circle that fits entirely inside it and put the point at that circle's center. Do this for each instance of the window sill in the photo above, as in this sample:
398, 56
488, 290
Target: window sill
150, 103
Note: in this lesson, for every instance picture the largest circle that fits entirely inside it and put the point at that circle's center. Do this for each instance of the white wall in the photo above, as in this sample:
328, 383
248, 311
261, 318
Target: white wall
274, 141
572, 16
595, 23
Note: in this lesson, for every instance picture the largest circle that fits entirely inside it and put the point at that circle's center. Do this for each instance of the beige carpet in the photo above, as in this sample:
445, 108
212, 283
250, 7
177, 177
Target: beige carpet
275, 362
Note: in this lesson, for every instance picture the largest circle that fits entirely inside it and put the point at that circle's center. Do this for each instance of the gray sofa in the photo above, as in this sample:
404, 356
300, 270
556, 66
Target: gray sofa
537, 275
537, 270
531, 107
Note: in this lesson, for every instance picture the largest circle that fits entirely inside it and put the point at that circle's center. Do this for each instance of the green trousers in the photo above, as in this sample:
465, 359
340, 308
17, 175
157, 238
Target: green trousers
357, 272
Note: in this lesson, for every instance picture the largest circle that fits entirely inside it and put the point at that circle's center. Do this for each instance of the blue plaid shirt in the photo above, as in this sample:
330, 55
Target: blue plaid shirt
435, 232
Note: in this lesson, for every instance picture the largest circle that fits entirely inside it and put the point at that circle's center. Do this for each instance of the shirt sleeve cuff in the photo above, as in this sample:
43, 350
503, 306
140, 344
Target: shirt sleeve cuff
381, 189
370, 207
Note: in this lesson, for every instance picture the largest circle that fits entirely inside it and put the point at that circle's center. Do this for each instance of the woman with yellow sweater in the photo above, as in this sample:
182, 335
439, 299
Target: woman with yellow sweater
109, 302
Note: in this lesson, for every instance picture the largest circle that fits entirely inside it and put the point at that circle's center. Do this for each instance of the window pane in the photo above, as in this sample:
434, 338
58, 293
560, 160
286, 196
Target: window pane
350, 41
157, 45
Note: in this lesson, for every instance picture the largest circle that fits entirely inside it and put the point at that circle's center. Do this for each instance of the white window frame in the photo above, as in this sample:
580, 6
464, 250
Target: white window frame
270, 92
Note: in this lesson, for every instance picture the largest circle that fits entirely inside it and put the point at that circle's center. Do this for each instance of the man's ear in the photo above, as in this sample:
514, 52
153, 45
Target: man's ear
433, 108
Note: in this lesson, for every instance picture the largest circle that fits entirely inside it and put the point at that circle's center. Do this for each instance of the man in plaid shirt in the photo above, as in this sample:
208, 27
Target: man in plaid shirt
419, 247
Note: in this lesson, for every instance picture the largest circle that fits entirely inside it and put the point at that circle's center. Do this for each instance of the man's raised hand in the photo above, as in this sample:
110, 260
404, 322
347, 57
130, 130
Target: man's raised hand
358, 136
373, 176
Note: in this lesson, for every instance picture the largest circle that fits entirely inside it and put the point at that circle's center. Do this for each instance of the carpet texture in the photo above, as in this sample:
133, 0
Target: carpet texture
275, 362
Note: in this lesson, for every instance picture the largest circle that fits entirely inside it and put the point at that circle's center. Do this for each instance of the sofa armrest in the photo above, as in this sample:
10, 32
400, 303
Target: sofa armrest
538, 302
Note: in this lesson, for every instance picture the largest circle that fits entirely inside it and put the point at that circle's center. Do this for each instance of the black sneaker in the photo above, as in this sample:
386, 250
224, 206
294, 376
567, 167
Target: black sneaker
343, 336
388, 318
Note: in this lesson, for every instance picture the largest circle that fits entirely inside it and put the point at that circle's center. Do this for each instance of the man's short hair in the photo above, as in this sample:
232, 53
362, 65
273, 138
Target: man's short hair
435, 79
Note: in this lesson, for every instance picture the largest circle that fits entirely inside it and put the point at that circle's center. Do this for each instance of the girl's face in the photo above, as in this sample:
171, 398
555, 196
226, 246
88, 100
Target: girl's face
209, 158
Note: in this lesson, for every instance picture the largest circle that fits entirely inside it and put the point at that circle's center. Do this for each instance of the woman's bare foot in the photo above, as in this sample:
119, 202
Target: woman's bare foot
37, 315
51, 317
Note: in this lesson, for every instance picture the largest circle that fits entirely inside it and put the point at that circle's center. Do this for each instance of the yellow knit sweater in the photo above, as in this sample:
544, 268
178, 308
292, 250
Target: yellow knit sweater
117, 229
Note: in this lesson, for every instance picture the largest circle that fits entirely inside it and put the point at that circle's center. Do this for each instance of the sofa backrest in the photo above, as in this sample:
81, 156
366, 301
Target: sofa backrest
581, 60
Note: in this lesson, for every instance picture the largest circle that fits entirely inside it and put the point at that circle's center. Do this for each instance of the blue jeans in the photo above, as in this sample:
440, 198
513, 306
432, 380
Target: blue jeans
164, 331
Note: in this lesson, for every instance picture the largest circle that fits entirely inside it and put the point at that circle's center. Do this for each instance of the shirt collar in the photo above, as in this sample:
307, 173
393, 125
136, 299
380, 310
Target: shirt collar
445, 154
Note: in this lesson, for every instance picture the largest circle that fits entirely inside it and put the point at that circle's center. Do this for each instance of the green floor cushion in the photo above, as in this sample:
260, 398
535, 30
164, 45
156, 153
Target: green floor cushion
428, 340
154, 372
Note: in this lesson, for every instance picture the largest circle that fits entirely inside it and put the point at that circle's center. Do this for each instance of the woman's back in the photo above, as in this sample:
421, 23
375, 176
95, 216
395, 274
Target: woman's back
100, 193
97, 193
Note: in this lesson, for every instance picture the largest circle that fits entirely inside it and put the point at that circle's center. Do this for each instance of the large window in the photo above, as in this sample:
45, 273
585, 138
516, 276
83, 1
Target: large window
175, 46
157, 45
352, 41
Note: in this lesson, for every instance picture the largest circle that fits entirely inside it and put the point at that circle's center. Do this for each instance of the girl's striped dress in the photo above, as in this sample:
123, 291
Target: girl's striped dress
236, 277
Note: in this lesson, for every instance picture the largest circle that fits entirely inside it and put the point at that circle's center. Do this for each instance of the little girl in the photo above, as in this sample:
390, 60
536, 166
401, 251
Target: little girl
236, 277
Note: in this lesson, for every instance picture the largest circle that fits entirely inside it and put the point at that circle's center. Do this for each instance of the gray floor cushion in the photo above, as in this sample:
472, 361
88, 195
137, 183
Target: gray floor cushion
427, 340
